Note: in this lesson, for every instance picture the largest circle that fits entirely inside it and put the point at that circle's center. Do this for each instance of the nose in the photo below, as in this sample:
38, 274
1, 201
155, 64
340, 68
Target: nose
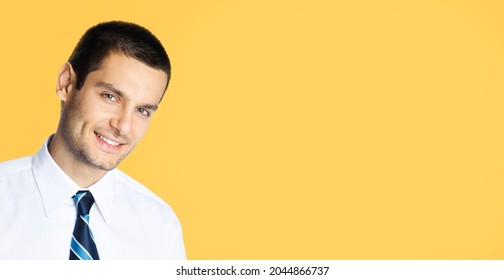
121, 122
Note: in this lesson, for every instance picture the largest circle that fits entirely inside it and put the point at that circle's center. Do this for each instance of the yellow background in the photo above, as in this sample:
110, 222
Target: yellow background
298, 129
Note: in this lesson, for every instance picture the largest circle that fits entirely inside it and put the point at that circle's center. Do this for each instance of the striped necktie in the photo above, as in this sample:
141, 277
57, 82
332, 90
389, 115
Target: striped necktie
82, 246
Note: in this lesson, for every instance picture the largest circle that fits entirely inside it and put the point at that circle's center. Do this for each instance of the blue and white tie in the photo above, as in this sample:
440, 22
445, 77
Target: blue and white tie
82, 246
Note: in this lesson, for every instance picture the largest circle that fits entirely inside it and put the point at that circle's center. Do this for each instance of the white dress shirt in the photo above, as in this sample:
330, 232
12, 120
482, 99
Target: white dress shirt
37, 214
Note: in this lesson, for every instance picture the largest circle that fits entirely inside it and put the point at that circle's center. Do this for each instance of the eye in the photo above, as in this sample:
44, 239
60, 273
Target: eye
144, 112
109, 96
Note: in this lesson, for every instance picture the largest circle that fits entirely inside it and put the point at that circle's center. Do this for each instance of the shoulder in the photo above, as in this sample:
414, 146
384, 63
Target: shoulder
133, 187
158, 222
15, 166
140, 195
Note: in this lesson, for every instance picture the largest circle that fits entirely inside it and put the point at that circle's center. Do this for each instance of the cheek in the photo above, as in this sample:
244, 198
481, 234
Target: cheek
139, 129
86, 109
72, 114
98, 114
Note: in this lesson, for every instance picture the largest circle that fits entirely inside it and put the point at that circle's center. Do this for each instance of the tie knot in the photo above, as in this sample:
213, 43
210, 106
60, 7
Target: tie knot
83, 201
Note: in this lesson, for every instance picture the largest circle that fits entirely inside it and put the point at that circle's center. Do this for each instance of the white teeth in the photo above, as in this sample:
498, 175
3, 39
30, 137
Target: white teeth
110, 142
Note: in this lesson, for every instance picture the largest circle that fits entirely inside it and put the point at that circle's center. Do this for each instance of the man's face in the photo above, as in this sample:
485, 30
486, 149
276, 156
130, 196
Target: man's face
103, 121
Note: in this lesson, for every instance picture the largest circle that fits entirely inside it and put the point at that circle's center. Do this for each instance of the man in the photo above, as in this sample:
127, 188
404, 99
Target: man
69, 201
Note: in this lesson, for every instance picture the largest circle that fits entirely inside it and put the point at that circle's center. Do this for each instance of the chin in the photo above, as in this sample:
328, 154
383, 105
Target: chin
101, 164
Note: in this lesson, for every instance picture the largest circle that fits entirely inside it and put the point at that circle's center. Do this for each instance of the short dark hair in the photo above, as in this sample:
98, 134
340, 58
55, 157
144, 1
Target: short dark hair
117, 37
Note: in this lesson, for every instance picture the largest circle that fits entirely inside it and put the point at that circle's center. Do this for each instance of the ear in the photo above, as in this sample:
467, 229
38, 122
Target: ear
66, 82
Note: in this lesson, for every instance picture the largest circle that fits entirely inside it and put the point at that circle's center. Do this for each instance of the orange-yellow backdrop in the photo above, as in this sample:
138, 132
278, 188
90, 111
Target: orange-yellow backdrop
299, 129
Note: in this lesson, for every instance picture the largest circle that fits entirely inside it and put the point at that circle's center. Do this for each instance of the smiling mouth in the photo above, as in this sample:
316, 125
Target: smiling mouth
106, 140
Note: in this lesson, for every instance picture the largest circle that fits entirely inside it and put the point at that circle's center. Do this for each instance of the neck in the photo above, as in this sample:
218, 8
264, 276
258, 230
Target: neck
83, 174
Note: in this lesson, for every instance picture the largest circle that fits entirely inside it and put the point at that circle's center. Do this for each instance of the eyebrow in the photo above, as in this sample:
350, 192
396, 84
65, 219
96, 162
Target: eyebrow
121, 94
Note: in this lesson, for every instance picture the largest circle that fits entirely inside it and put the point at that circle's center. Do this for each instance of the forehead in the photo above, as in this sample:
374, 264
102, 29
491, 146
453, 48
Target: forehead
130, 76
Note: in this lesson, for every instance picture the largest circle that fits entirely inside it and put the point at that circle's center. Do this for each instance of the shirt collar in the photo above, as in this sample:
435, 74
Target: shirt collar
56, 187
